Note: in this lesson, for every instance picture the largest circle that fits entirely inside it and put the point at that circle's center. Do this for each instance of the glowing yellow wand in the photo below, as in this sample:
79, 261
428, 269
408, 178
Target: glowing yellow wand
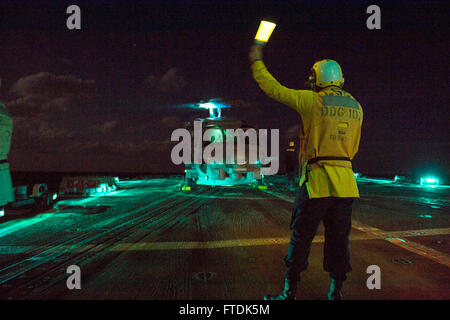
264, 31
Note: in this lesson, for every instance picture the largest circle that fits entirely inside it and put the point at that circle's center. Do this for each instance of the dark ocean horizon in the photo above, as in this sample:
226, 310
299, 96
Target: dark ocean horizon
53, 178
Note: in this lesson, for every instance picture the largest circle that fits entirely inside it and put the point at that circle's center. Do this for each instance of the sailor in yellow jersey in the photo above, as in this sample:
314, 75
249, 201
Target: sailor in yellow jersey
329, 139
291, 165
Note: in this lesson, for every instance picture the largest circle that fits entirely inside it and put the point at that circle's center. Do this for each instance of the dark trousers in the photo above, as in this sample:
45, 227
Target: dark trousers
336, 214
290, 175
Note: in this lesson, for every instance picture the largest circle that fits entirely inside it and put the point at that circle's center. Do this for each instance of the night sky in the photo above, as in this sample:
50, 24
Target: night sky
108, 96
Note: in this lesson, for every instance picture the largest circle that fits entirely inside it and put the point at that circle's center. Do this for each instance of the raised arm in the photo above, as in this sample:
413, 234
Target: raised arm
300, 100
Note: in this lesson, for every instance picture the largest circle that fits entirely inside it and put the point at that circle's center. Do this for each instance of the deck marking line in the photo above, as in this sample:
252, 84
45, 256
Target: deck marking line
189, 245
411, 246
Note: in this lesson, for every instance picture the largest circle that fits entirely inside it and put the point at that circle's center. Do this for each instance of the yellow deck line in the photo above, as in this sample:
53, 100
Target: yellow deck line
189, 245
374, 234
392, 237
369, 233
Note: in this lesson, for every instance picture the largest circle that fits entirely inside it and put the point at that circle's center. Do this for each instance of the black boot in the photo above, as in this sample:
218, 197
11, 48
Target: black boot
335, 289
290, 289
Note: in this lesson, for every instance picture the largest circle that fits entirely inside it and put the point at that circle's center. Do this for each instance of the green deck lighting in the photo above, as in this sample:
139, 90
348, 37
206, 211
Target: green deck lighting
429, 181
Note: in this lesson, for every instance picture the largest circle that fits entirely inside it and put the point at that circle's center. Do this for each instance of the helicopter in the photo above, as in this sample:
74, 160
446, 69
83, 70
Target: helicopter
223, 169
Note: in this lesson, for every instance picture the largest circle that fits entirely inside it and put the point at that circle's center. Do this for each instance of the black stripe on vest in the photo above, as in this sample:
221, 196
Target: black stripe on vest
314, 160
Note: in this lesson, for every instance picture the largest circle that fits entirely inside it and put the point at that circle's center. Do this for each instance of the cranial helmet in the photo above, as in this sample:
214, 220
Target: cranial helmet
326, 73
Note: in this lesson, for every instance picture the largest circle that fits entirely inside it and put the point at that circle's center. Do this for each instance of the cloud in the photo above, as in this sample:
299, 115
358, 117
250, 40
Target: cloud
240, 103
52, 132
40, 129
33, 136
170, 81
107, 127
117, 147
171, 122
44, 91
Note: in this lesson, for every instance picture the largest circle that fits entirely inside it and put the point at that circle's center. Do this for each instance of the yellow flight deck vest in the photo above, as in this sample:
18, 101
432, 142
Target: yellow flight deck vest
329, 138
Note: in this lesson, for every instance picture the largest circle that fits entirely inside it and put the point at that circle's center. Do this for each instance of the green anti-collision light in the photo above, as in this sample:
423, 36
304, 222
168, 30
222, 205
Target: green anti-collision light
429, 181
